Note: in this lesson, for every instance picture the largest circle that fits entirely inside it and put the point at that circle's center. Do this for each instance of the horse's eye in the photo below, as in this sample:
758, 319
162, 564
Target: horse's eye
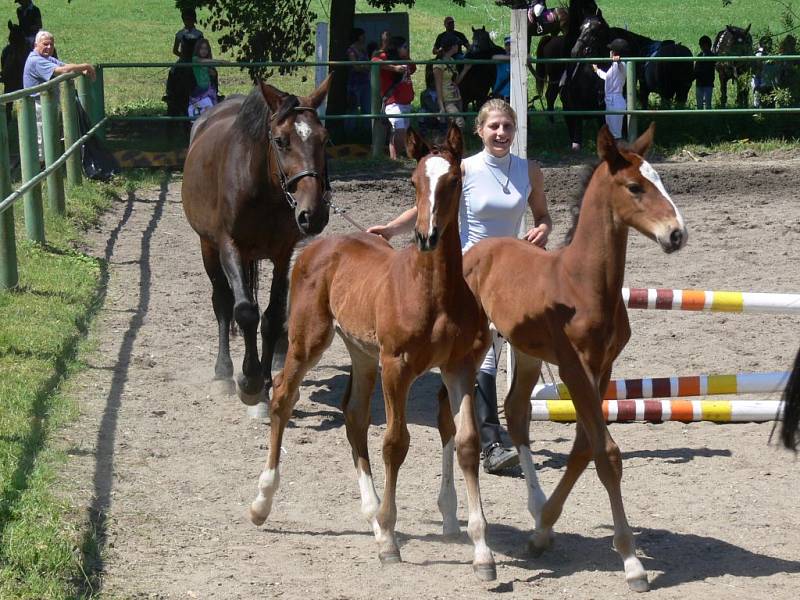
282, 142
635, 189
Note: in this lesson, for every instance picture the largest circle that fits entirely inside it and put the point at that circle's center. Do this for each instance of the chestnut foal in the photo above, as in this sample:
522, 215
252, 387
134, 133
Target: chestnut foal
409, 311
566, 307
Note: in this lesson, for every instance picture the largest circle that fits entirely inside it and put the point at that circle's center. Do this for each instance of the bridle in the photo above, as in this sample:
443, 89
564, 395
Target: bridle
286, 181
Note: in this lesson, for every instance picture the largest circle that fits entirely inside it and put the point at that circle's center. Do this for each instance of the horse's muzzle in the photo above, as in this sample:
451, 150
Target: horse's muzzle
312, 222
426, 243
675, 241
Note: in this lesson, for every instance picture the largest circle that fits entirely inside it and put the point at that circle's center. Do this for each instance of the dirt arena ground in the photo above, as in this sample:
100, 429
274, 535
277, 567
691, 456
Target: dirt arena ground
166, 468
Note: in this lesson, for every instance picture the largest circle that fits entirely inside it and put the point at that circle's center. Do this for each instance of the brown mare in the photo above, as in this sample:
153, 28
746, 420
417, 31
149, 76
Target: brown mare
566, 307
407, 311
255, 183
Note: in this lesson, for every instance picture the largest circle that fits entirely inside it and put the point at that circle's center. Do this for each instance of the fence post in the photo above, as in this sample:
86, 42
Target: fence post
85, 95
630, 82
9, 276
378, 132
98, 103
71, 131
50, 140
29, 161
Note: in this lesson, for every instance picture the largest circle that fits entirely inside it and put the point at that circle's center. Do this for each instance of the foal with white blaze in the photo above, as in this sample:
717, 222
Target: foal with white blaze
407, 310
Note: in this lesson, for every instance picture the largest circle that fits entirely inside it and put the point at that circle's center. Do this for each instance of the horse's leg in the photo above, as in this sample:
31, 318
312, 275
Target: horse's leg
396, 377
309, 340
222, 300
245, 311
723, 89
273, 321
584, 389
356, 408
517, 408
448, 499
460, 382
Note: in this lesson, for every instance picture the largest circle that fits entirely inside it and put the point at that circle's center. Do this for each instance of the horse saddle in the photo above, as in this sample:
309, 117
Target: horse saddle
546, 23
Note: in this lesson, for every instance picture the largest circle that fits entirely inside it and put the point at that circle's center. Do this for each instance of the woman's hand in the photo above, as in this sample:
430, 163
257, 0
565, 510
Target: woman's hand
538, 235
382, 230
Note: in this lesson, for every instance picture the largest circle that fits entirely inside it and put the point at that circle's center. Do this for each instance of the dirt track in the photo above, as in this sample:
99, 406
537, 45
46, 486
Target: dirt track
168, 468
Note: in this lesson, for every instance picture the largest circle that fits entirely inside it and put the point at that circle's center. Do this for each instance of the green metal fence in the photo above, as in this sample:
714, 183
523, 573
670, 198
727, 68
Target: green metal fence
57, 104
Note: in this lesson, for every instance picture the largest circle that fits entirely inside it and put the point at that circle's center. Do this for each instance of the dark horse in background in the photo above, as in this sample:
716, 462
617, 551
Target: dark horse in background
670, 80
13, 62
733, 41
255, 183
477, 83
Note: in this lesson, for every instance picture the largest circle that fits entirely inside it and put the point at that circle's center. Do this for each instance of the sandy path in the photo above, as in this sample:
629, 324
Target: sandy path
168, 469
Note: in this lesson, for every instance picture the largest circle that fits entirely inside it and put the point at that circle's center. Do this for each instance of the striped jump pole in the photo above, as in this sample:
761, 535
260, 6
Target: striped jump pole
711, 301
678, 387
657, 411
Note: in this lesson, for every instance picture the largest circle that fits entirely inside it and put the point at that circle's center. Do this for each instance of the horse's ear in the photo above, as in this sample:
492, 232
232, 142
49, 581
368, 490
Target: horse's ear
642, 145
317, 97
455, 141
416, 147
272, 96
10, 25
608, 151
747, 29
471, 27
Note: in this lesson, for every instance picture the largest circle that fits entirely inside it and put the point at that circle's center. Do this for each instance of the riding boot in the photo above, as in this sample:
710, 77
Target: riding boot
495, 457
486, 410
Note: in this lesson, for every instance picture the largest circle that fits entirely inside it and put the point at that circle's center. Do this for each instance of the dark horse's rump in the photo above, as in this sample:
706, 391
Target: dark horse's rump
255, 183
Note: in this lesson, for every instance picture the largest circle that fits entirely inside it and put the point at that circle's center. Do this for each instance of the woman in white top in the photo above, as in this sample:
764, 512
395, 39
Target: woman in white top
497, 186
614, 84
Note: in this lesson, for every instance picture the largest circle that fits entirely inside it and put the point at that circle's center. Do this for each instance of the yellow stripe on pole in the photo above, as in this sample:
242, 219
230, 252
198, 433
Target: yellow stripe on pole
717, 411
727, 302
561, 410
721, 384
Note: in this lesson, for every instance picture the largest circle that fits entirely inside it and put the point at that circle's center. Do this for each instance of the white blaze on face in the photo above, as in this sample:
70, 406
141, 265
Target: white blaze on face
649, 173
435, 167
302, 129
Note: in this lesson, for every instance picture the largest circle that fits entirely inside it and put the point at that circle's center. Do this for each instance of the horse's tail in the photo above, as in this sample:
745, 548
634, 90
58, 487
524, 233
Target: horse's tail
541, 68
790, 429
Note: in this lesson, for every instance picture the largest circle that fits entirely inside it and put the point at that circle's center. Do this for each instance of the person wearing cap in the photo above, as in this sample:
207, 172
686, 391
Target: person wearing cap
448, 96
614, 79
449, 31
30, 19
502, 79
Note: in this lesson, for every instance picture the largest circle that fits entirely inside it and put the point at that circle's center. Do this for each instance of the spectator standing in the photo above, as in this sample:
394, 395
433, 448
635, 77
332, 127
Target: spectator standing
397, 92
187, 37
704, 75
614, 79
445, 74
788, 73
497, 188
358, 86
41, 66
29, 18
502, 80
449, 31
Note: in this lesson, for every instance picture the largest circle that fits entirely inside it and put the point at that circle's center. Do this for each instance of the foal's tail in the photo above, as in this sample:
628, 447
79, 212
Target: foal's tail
790, 429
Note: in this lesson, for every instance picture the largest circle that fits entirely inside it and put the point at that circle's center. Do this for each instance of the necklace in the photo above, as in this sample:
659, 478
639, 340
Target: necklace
505, 187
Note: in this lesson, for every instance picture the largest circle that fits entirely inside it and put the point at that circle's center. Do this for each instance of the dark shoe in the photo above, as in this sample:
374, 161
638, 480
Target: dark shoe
497, 459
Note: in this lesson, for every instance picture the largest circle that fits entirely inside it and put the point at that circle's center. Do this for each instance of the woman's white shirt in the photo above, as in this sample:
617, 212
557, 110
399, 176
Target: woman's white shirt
486, 209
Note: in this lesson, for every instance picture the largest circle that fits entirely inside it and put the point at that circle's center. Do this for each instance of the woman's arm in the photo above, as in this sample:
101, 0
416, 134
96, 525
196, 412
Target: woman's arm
402, 224
599, 72
537, 200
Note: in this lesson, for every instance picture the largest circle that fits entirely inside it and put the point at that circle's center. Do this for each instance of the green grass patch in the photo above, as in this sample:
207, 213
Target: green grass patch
42, 325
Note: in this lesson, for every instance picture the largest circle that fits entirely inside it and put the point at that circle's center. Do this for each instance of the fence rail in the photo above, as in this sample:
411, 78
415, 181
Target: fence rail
57, 106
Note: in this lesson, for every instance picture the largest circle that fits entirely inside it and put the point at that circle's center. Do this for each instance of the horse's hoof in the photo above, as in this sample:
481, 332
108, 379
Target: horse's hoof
485, 572
539, 542
249, 393
258, 411
255, 518
639, 585
252, 399
390, 558
223, 387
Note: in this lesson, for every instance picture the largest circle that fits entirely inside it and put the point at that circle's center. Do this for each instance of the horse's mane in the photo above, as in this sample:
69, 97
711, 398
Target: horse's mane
254, 116
575, 208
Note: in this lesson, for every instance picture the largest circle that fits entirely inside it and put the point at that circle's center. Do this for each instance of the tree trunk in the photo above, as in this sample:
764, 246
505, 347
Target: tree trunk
342, 13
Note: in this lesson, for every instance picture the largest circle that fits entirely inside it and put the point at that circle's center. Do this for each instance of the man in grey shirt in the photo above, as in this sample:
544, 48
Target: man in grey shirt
41, 67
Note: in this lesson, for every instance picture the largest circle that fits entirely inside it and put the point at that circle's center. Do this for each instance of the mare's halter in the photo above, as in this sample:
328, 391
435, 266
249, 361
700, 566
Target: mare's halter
286, 182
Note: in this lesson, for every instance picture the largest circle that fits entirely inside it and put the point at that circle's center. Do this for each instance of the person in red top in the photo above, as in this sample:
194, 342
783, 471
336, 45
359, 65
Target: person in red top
397, 92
